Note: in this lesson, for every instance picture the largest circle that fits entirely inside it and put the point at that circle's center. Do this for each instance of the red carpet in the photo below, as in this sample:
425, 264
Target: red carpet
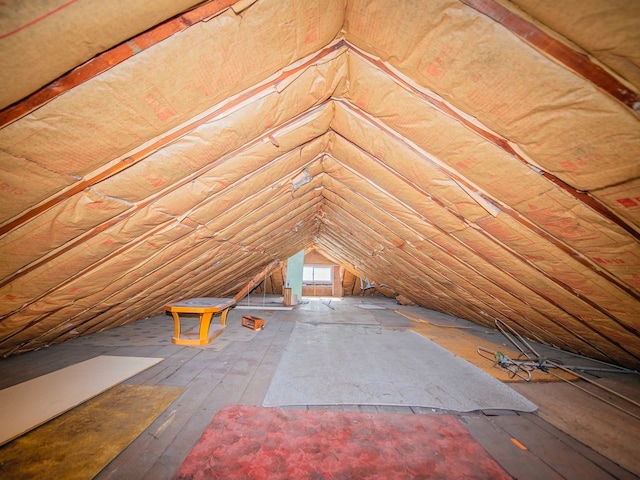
269, 443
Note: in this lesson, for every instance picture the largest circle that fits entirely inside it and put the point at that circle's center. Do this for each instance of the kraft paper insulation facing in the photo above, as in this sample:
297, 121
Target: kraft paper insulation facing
26, 34
441, 153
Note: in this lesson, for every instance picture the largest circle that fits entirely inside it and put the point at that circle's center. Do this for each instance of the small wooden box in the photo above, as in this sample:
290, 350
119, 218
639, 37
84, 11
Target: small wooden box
254, 323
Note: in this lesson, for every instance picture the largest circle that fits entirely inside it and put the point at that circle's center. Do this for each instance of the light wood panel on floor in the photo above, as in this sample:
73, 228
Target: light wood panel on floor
29, 404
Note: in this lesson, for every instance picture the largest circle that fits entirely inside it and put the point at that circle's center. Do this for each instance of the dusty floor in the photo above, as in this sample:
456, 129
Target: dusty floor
572, 435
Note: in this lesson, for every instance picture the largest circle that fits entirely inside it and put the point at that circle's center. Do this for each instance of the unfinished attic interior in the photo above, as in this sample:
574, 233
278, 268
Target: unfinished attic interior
457, 173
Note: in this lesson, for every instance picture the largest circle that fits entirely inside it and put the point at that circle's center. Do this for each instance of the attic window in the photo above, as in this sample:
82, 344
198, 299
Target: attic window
317, 274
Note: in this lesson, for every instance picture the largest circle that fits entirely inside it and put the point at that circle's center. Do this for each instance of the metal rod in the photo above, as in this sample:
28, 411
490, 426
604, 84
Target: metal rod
617, 367
504, 362
599, 397
597, 369
498, 324
528, 366
613, 392
541, 363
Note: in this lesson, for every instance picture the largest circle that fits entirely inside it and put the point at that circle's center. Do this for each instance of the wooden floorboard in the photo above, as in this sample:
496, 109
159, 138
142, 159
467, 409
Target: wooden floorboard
137, 351
241, 373
559, 455
226, 380
520, 464
186, 365
268, 359
173, 361
155, 454
604, 463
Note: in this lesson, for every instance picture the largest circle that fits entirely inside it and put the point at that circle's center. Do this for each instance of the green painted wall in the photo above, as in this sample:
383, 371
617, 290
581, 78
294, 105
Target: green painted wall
295, 266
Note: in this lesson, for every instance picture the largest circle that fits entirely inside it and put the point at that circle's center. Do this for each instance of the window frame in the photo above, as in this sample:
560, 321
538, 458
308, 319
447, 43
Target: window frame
315, 267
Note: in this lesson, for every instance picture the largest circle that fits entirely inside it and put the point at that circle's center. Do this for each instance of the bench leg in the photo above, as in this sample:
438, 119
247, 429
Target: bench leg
205, 321
223, 317
176, 325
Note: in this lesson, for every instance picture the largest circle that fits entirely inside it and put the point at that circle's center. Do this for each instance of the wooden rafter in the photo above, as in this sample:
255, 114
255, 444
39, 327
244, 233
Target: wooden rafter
567, 56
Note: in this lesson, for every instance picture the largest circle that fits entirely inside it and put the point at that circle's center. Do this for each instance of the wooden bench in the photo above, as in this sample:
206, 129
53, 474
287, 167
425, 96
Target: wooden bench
205, 308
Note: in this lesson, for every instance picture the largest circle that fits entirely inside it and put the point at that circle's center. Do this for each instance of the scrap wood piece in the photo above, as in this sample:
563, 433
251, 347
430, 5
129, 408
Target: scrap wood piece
28, 405
253, 323
81, 442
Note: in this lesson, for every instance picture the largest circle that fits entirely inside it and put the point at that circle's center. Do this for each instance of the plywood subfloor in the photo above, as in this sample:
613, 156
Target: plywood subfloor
240, 374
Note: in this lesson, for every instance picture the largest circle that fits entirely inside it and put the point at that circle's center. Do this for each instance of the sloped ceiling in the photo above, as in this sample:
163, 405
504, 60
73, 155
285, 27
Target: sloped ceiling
480, 157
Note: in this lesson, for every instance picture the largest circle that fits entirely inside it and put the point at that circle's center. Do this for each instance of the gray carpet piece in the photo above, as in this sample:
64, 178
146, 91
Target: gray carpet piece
370, 365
